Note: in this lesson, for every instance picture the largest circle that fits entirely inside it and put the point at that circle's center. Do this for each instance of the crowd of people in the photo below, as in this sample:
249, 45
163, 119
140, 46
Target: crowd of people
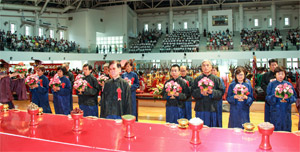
182, 40
118, 94
294, 37
219, 40
145, 41
18, 42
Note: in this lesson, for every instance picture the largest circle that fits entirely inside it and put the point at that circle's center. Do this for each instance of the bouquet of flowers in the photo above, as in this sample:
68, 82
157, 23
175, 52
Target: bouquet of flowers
80, 85
20, 69
55, 81
284, 91
102, 78
157, 90
79, 76
128, 80
31, 80
205, 84
240, 90
173, 87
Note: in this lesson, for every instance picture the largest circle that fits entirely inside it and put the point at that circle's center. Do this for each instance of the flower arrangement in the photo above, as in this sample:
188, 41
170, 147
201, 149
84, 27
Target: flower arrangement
205, 84
31, 80
284, 91
20, 69
80, 85
102, 79
240, 89
157, 90
55, 81
79, 76
173, 87
128, 80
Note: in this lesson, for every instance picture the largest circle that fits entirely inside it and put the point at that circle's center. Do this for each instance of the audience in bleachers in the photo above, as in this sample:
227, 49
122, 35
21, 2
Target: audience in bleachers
146, 41
18, 42
219, 40
294, 37
183, 40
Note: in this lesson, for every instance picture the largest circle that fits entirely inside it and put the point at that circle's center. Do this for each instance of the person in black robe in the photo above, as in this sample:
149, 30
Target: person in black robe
88, 99
298, 100
40, 90
206, 107
188, 104
266, 79
175, 105
116, 95
70, 75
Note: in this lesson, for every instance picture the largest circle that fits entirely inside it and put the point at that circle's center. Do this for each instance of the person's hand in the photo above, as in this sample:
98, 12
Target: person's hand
21, 76
176, 94
209, 91
57, 88
245, 97
204, 93
236, 97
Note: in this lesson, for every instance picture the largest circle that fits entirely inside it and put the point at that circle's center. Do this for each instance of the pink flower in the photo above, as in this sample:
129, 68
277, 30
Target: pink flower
286, 96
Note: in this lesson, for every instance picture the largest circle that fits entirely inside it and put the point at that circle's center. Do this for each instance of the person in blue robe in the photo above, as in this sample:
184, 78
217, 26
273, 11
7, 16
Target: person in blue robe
61, 95
135, 84
215, 71
175, 104
206, 107
40, 91
239, 105
280, 108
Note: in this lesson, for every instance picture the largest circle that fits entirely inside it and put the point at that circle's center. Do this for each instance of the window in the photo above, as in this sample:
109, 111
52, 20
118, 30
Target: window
159, 26
286, 21
61, 34
256, 22
40, 32
51, 34
146, 27
185, 26
112, 44
292, 63
26, 30
173, 26
12, 28
156, 63
270, 22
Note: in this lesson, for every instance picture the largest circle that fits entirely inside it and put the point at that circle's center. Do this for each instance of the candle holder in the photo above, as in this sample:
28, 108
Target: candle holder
40, 110
76, 117
195, 133
128, 120
266, 132
5, 107
33, 117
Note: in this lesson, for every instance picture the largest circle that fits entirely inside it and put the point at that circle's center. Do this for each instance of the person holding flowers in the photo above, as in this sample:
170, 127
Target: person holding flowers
280, 96
240, 98
39, 89
88, 96
134, 83
116, 95
189, 81
61, 89
175, 92
207, 90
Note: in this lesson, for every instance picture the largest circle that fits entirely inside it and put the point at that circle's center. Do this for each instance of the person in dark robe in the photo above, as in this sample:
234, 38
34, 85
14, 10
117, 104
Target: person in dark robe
215, 71
88, 99
239, 104
298, 100
206, 107
280, 108
116, 95
5, 90
188, 103
39, 91
135, 84
70, 76
61, 94
175, 105
266, 79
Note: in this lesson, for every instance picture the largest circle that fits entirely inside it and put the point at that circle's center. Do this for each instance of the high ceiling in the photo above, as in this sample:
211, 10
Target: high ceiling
137, 5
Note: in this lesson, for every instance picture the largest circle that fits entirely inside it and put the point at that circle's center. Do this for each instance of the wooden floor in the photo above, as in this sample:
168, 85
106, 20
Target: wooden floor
151, 114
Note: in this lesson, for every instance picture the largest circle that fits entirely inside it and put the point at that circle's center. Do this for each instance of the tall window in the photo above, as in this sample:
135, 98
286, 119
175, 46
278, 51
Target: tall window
113, 44
286, 21
40, 32
12, 28
26, 30
61, 34
146, 27
292, 62
182, 62
156, 63
256, 22
159, 26
270, 22
173, 25
185, 26
51, 34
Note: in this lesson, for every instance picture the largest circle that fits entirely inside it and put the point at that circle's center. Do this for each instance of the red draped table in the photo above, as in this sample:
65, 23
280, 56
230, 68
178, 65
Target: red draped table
54, 133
